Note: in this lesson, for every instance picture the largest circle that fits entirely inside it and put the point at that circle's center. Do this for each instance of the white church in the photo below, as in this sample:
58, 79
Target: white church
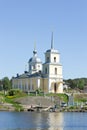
45, 76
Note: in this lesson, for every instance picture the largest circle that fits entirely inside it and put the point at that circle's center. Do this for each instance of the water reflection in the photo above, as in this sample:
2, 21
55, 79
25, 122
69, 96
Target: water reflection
49, 121
31, 121
55, 120
42, 121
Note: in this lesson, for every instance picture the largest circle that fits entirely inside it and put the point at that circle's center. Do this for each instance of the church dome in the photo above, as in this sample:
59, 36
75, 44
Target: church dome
35, 60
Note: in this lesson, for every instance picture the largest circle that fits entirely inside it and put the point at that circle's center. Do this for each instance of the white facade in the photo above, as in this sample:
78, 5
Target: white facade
53, 69
35, 64
47, 76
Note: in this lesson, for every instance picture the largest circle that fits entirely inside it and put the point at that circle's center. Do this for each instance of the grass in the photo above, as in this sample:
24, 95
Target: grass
16, 105
62, 97
10, 99
81, 100
80, 97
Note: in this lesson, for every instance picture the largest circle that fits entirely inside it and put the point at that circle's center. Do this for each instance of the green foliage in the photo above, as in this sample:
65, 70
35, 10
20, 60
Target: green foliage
73, 107
81, 84
12, 95
1, 86
50, 94
76, 83
62, 97
6, 83
13, 92
17, 106
11, 99
80, 97
38, 91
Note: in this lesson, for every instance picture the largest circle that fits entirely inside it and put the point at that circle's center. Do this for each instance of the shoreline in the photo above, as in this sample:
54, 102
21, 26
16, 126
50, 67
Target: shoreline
28, 108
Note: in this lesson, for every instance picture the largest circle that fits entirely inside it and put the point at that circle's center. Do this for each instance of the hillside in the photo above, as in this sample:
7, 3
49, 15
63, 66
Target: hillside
33, 100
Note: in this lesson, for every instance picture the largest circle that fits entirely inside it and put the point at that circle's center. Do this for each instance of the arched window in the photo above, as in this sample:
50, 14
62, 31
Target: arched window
54, 59
55, 71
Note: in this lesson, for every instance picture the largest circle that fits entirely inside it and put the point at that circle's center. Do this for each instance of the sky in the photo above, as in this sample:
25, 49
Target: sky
26, 22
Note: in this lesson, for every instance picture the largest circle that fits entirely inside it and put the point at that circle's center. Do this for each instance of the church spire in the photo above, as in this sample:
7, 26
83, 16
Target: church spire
35, 46
52, 41
35, 51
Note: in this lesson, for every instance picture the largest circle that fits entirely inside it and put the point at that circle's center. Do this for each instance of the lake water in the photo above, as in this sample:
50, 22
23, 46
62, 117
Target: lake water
43, 121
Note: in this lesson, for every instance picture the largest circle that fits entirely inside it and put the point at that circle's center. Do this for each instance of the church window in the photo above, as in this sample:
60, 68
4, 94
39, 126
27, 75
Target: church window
30, 67
34, 67
39, 66
47, 59
54, 59
45, 70
55, 70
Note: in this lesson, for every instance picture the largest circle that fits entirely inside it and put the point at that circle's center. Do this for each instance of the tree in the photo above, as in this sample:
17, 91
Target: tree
6, 84
81, 84
1, 86
77, 83
71, 83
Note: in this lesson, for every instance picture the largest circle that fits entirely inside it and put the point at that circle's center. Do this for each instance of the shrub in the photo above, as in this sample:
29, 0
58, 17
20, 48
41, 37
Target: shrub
13, 92
38, 91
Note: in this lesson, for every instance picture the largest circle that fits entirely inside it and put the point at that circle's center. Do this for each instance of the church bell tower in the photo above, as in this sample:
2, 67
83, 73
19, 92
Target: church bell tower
53, 69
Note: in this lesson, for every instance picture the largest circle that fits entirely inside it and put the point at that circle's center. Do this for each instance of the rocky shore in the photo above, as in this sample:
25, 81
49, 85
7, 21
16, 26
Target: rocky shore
7, 107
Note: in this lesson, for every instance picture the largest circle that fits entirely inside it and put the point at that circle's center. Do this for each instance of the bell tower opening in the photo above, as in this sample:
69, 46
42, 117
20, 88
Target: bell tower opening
55, 87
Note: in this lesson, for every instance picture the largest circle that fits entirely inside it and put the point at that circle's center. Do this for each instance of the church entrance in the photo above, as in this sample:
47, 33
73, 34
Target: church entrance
55, 87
